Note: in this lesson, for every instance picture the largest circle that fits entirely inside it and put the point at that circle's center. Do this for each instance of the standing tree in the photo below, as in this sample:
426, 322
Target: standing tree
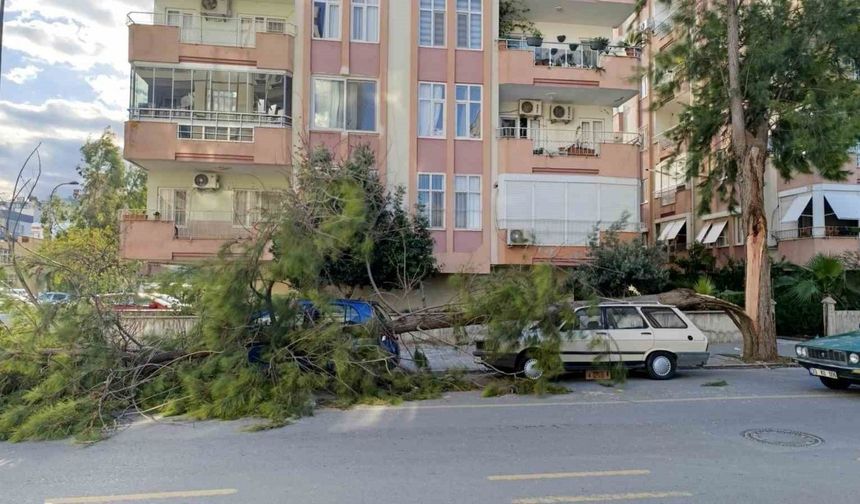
773, 84
108, 186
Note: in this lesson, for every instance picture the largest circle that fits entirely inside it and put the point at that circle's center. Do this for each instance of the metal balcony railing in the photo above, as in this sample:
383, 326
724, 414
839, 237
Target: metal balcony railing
196, 28
554, 54
202, 225
549, 142
198, 124
802, 233
559, 233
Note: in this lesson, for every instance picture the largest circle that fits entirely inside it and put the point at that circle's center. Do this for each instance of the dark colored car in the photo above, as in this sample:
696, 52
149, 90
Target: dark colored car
835, 360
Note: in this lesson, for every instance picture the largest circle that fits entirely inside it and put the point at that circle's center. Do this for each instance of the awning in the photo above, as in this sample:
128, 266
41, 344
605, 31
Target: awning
714, 233
795, 209
677, 226
846, 205
703, 232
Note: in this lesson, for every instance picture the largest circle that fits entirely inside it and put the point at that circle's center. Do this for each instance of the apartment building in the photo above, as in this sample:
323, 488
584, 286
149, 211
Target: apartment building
516, 149
807, 215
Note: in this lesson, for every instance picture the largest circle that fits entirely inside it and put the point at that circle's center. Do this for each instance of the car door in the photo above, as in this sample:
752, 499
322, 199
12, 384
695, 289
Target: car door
629, 335
672, 332
576, 344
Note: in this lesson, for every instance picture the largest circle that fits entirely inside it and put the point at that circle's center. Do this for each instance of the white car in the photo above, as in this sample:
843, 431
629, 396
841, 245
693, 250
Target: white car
653, 336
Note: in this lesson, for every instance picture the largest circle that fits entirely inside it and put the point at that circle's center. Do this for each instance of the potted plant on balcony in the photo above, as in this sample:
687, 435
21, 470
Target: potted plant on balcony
599, 44
535, 39
633, 42
561, 38
513, 19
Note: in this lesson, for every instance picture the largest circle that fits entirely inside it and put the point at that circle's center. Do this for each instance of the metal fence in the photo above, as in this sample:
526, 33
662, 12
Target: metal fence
562, 55
197, 225
552, 142
559, 232
802, 233
209, 118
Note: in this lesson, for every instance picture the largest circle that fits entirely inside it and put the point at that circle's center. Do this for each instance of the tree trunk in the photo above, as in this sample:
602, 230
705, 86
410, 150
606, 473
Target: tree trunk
750, 152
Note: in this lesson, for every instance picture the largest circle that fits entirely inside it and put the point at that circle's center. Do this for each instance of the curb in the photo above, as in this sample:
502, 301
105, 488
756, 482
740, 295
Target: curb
762, 365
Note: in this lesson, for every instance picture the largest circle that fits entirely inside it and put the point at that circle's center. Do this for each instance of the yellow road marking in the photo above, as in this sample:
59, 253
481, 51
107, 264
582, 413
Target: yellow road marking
602, 497
142, 496
598, 403
560, 475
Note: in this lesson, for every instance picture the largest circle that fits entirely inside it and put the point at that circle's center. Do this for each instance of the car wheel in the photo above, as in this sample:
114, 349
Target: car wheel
661, 366
529, 367
835, 383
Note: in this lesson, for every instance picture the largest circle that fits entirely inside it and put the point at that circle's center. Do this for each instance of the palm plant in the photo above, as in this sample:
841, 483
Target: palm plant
822, 276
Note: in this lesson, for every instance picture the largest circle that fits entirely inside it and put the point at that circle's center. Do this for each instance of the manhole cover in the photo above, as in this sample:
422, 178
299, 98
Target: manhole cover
782, 437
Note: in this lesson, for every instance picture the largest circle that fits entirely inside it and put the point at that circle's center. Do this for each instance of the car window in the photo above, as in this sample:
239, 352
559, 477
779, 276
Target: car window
588, 319
624, 317
664, 318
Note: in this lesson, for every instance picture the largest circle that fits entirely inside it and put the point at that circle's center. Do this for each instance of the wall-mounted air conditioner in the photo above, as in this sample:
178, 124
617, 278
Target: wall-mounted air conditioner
215, 8
206, 181
561, 113
531, 108
519, 238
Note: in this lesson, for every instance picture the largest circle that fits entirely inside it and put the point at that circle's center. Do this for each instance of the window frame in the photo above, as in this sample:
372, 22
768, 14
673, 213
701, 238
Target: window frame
185, 212
433, 10
609, 324
345, 103
587, 311
328, 5
738, 227
429, 210
646, 311
469, 103
250, 210
434, 101
364, 5
468, 192
468, 12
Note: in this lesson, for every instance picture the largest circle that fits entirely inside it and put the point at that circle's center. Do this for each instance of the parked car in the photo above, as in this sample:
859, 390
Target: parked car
835, 360
349, 313
53, 297
656, 337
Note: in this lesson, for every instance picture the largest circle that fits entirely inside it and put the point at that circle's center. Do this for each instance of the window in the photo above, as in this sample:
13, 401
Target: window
643, 86
469, 28
431, 23
365, 20
249, 207
589, 318
250, 26
431, 198
467, 202
218, 133
664, 318
327, 19
738, 226
431, 109
344, 104
468, 111
173, 205
624, 317
185, 21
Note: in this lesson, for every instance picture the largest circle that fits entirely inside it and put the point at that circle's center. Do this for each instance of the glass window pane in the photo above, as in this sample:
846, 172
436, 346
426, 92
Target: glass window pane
461, 210
142, 87
438, 119
624, 318
437, 205
474, 211
439, 91
475, 184
462, 120
462, 30
461, 183
372, 24
437, 181
358, 23
424, 119
275, 94
424, 91
162, 88
423, 181
182, 97
462, 92
439, 28
328, 104
475, 93
361, 106
475, 121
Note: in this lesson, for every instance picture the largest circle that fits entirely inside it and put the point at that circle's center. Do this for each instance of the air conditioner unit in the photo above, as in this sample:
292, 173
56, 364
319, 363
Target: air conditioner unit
215, 8
531, 108
206, 181
561, 113
647, 25
518, 238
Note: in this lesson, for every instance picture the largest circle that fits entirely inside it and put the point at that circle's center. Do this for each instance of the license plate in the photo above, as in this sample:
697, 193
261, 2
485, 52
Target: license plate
823, 372
597, 374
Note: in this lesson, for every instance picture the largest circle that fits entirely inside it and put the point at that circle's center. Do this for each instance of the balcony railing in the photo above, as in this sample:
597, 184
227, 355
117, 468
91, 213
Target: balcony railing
208, 118
202, 225
552, 54
547, 142
560, 233
803, 233
197, 28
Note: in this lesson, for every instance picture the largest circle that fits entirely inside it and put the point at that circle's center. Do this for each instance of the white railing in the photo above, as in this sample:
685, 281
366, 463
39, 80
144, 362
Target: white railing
560, 233
801, 233
549, 142
555, 54
202, 225
194, 124
195, 28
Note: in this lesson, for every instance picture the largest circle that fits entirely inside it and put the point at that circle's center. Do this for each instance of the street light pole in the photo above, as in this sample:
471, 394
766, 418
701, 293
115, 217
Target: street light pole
50, 216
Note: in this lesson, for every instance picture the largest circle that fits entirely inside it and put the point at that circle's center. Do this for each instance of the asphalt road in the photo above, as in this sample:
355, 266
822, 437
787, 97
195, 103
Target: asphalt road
648, 442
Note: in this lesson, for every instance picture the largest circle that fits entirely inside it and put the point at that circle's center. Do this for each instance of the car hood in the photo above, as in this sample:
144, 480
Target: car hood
848, 341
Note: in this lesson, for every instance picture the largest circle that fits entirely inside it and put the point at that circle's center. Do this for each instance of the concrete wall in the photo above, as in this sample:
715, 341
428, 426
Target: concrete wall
717, 326
157, 325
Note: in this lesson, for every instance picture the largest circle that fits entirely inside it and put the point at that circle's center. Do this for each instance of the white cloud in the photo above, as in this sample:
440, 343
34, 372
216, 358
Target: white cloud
112, 90
55, 119
21, 75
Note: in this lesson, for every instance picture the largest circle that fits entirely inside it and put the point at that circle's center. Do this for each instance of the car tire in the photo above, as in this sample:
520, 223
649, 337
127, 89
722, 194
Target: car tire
835, 383
661, 366
528, 367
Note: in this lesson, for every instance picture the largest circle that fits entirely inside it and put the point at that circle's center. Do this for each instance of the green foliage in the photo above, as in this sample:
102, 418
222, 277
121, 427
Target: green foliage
795, 64
705, 286
513, 18
616, 264
108, 186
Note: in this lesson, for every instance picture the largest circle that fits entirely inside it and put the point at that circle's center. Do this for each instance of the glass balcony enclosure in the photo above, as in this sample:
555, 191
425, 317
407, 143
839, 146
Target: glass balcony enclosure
211, 97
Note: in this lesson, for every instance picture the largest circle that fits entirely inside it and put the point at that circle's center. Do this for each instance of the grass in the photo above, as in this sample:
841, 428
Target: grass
718, 383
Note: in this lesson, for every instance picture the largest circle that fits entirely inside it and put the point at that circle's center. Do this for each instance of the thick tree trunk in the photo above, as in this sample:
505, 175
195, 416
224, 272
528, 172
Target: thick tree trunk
750, 152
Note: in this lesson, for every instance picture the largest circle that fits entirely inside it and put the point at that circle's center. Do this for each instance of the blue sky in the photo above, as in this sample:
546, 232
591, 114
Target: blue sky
64, 79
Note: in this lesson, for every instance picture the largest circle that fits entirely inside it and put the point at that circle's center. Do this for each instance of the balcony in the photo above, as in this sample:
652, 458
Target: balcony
148, 236
611, 154
257, 41
152, 138
557, 65
799, 245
